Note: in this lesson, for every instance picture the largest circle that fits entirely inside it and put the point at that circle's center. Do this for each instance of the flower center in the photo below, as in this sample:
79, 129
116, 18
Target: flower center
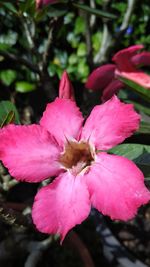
76, 153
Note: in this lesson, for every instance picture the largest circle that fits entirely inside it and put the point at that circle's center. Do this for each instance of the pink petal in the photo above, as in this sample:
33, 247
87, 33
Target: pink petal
126, 61
110, 123
65, 88
61, 205
63, 119
40, 3
111, 89
137, 77
100, 77
123, 58
141, 59
116, 186
29, 152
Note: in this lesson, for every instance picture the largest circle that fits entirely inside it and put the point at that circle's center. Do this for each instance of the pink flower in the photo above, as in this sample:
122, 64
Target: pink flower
61, 145
40, 3
65, 87
127, 61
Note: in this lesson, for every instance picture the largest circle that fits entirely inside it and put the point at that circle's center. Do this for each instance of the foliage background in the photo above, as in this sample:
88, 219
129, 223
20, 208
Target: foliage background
36, 46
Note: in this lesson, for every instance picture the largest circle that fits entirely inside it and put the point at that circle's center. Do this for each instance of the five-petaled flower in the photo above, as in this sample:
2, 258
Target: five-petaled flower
127, 63
75, 153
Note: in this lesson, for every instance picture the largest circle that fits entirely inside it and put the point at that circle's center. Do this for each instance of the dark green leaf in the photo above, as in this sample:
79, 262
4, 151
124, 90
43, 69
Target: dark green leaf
9, 6
95, 11
144, 128
143, 162
130, 151
10, 118
28, 6
8, 113
139, 153
144, 93
140, 107
54, 12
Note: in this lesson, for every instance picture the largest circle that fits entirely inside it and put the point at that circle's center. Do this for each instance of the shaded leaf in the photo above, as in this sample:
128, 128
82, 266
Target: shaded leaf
95, 11
8, 113
130, 151
8, 76
144, 93
28, 6
140, 107
144, 128
143, 162
9, 6
139, 153
10, 118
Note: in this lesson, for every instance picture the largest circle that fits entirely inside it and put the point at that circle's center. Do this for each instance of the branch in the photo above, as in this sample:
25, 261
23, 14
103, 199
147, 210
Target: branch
21, 61
108, 40
87, 35
36, 250
88, 38
101, 56
45, 60
73, 239
92, 17
128, 14
29, 31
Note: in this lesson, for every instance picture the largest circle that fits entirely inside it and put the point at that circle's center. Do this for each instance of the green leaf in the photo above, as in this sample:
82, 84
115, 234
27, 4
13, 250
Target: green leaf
8, 113
73, 59
96, 41
82, 50
143, 162
95, 11
130, 151
144, 93
28, 6
79, 25
139, 153
24, 87
140, 107
10, 118
40, 14
8, 76
9, 6
56, 12
144, 128
82, 69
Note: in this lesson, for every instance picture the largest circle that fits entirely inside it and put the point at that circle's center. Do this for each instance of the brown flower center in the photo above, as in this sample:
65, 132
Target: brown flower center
76, 153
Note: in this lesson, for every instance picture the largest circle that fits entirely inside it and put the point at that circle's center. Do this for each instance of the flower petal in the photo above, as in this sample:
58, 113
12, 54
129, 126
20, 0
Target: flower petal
57, 207
65, 88
111, 89
141, 59
116, 186
123, 58
136, 76
29, 152
110, 123
100, 77
40, 3
63, 119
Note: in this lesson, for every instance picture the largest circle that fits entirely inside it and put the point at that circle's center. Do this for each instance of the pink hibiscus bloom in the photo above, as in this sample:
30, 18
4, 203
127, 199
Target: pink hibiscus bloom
40, 3
61, 145
127, 62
